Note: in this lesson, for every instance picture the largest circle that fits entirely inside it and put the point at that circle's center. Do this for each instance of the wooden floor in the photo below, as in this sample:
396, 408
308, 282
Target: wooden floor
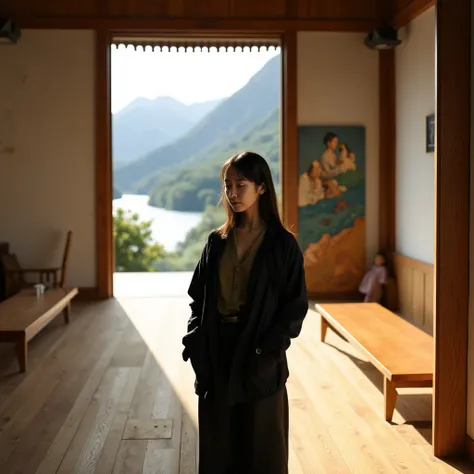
110, 394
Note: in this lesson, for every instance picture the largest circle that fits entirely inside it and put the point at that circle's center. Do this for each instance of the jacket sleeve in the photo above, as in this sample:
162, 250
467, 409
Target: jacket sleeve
196, 291
293, 303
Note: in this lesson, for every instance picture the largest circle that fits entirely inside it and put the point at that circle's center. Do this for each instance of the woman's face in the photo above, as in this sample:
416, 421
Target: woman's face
241, 193
333, 143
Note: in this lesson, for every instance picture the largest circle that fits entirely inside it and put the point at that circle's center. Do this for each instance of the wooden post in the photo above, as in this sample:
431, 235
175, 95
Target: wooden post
453, 114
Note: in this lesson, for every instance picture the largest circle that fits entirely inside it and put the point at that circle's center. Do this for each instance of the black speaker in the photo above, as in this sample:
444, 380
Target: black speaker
385, 37
9, 32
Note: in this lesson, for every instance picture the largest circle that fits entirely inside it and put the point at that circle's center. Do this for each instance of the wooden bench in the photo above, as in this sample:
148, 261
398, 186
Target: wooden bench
403, 353
24, 315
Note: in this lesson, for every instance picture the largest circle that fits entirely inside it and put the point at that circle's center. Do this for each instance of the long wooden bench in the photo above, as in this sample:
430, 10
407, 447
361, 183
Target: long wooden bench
24, 315
403, 353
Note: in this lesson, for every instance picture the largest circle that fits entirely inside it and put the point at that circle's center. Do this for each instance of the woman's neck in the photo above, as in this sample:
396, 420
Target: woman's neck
251, 219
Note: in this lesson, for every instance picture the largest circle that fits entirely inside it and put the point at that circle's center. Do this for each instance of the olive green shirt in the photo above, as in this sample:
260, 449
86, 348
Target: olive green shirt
234, 275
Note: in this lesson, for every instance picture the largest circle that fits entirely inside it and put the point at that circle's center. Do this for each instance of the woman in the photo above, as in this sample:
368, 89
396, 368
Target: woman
329, 164
329, 158
310, 188
248, 300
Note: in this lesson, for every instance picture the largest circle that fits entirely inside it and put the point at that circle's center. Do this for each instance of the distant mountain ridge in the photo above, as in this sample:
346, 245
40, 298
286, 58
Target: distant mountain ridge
193, 187
222, 128
147, 124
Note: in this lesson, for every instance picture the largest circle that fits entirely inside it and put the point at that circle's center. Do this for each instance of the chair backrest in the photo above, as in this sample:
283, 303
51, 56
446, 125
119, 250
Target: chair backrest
64, 265
14, 280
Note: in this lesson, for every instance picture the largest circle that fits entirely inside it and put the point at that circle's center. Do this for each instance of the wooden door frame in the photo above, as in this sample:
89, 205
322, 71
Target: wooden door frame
104, 168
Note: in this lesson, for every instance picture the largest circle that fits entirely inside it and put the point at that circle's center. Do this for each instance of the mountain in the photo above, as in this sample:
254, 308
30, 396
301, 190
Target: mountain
145, 125
223, 126
193, 187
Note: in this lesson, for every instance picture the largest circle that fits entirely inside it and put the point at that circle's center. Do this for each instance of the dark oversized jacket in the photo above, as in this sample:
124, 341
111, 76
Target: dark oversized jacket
278, 303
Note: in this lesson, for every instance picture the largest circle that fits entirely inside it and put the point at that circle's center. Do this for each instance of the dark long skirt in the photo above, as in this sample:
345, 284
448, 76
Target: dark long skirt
247, 438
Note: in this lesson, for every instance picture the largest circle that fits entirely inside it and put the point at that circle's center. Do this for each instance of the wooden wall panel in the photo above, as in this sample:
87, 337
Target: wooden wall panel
118, 8
340, 9
38, 8
256, 9
415, 282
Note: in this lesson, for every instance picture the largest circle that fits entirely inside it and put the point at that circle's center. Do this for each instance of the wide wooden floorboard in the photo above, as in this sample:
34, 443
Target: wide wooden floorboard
110, 394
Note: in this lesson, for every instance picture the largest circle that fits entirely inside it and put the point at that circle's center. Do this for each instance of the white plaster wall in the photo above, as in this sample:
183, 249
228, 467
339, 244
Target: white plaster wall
415, 184
47, 172
338, 85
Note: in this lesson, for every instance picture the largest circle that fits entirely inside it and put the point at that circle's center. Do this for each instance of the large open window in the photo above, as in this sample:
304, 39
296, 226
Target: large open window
180, 107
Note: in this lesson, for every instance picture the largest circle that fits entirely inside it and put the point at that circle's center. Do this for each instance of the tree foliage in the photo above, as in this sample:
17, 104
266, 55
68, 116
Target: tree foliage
135, 250
188, 252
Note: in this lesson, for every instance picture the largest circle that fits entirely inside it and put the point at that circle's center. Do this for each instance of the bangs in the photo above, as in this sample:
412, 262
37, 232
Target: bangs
246, 168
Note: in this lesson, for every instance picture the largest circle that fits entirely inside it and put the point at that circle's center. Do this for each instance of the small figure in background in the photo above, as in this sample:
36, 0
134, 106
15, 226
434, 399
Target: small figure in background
372, 283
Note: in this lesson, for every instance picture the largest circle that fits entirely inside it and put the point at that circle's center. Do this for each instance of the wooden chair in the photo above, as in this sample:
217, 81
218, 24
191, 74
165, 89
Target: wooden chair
16, 276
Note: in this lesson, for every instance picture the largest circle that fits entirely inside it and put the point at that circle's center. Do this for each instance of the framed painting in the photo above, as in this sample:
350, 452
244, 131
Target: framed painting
331, 207
430, 133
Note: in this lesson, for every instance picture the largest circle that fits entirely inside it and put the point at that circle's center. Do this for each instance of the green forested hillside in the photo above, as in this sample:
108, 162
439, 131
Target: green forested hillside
191, 187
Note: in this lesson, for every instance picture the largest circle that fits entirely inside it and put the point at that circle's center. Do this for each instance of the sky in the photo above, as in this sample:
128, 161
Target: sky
186, 76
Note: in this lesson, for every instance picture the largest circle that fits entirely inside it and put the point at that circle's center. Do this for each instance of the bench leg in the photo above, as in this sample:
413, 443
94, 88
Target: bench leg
22, 353
390, 394
67, 313
324, 328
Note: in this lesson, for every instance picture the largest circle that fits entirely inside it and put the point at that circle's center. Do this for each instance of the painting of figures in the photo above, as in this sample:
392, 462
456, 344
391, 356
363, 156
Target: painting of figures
331, 207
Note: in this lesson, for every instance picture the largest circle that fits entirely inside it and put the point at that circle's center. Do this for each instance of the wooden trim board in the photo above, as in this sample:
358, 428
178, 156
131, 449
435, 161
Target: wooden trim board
452, 171
289, 131
103, 132
387, 152
203, 25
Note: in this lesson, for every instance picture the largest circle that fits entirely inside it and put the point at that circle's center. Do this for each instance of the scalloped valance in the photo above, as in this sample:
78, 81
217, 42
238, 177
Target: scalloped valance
191, 44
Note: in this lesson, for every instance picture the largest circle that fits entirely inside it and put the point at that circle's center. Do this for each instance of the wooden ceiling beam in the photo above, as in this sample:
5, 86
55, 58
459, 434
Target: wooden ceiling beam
172, 25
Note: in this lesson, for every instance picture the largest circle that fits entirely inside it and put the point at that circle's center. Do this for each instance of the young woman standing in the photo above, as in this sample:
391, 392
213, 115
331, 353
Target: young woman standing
248, 301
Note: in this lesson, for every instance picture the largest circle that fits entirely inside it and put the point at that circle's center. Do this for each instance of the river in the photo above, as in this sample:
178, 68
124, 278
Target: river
168, 227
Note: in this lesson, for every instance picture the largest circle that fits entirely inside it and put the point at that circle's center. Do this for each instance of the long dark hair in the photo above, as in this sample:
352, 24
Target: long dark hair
251, 167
